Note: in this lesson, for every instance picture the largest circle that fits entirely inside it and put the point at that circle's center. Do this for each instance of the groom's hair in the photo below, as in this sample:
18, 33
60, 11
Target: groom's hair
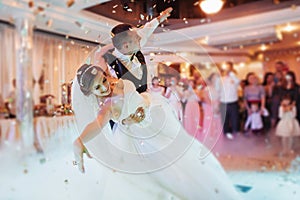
120, 33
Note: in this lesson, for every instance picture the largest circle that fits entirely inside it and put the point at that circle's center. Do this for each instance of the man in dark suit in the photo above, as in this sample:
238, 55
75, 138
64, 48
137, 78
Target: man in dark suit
126, 61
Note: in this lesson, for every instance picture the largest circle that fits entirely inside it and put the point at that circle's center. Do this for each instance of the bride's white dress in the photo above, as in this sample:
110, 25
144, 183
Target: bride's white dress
155, 159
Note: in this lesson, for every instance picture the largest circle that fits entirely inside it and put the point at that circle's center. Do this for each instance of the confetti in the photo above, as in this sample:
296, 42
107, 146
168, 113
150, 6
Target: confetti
293, 7
25, 171
70, 3
86, 30
42, 160
115, 6
30, 4
49, 22
113, 11
142, 16
66, 181
78, 24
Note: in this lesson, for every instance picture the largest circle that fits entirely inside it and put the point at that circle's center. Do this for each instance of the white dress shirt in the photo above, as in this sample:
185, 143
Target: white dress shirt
229, 93
134, 66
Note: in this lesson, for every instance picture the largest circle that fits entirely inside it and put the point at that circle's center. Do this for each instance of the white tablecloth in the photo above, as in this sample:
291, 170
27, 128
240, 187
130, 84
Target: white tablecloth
46, 129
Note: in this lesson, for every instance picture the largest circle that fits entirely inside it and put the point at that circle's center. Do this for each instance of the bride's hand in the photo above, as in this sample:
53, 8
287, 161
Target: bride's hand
79, 149
136, 117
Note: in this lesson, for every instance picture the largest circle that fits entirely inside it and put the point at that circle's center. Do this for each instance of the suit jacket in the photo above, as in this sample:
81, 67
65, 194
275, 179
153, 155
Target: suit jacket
124, 73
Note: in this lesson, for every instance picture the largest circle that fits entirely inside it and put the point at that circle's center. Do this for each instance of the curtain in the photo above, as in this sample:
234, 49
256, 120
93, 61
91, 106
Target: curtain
55, 61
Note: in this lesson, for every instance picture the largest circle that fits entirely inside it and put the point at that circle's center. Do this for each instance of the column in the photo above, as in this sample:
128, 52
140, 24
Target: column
24, 78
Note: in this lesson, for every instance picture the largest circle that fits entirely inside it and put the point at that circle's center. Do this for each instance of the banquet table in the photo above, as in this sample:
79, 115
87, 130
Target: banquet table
45, 129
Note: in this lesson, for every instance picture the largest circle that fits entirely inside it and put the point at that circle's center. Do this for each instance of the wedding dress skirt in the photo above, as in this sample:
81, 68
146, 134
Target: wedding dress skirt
157, 158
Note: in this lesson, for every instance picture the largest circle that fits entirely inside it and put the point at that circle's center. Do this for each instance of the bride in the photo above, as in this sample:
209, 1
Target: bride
148, 153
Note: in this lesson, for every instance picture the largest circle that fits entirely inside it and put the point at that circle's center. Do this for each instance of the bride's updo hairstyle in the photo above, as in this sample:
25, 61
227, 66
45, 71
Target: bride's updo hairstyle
85, 77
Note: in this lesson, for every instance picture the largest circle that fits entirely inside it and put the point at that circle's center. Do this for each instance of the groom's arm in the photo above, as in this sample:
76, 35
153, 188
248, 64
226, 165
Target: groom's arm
150, 27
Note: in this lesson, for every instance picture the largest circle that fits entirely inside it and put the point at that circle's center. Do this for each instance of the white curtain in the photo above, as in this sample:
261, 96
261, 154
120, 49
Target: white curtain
7, 59
55, 60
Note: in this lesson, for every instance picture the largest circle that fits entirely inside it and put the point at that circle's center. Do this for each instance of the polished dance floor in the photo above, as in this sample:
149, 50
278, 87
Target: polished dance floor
252, 163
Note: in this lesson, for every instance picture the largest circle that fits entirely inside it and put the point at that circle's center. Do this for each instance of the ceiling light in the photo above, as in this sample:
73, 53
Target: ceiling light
289, 28
263, 47
211, 6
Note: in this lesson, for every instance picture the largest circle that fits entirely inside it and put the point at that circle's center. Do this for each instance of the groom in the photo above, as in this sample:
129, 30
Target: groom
126, 61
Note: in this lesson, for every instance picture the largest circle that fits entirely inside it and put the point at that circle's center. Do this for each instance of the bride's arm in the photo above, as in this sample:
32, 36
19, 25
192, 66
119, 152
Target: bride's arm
95, 127
90, 131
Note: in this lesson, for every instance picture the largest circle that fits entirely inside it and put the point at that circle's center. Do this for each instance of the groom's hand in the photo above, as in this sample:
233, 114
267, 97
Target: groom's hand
164, 15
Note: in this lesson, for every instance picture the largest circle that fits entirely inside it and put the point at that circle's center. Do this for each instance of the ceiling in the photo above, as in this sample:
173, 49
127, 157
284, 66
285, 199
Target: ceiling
244, 23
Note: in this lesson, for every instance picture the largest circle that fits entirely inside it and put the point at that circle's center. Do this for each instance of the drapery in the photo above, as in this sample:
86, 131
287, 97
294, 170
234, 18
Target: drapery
55, 61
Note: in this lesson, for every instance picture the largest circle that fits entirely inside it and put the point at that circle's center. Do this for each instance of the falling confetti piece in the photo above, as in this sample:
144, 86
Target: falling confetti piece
66, 181
115, 6
30, 4
11, 20
49, 22
293, 7
154, 6
129, 10
142, 16
70, 3
78, 24
216, 190
42, 160
86, 30
25, 171
40, 8
243, 188
113, 11
196, 3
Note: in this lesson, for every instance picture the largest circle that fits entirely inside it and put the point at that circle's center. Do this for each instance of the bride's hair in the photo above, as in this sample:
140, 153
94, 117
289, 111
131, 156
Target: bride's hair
85, 77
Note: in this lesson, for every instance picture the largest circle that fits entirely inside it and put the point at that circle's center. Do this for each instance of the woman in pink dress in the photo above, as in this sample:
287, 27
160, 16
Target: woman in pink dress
174, 96
212, 128
192, 111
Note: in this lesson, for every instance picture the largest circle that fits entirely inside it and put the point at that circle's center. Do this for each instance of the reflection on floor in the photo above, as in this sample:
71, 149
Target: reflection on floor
252, 164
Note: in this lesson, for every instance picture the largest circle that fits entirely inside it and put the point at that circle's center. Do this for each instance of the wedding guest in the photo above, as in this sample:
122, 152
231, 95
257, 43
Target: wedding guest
269, 85
174, 96
291, 88
211, 107
287, 127
192, 111
229, 101
155, 88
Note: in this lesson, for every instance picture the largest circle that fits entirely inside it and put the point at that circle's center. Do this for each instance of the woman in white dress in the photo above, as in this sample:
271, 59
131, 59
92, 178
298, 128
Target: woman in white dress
287, 127
160, 160
155, 88
174, 96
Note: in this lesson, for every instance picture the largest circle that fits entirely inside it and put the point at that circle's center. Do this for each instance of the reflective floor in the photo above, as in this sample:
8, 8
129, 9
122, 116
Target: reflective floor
252, 163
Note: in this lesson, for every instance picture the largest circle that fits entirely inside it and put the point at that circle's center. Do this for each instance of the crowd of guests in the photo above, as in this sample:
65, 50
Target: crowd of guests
228, 105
